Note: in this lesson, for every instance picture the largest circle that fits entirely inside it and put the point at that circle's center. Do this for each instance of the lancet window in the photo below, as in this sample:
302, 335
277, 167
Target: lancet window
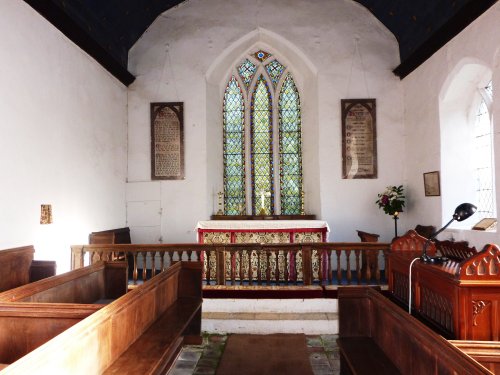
261, 130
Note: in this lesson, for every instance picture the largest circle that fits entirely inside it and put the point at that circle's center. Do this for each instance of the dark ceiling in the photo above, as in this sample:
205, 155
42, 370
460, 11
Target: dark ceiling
107, 29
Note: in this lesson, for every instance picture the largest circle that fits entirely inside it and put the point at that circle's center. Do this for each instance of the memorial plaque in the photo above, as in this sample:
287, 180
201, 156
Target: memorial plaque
167, 141
359, 138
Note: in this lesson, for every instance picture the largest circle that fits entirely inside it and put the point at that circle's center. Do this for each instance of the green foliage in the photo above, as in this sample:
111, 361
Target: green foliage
392, 200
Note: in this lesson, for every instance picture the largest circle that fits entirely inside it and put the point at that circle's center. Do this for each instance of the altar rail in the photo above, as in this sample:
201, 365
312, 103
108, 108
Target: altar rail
325, 263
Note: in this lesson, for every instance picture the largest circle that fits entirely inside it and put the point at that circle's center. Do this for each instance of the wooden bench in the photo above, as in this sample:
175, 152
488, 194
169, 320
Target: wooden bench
486, 353
139, 333
378, 337
17, 267
34, 313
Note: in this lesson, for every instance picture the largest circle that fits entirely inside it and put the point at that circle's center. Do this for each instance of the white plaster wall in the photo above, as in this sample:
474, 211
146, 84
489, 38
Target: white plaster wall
478, 43
182, 56
62, 138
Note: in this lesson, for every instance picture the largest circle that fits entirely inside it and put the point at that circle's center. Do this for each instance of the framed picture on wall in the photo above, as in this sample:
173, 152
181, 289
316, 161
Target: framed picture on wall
431, 184
167, 141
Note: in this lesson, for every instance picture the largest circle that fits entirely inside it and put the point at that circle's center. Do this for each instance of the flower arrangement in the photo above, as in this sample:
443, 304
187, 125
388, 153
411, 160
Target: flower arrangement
392, 200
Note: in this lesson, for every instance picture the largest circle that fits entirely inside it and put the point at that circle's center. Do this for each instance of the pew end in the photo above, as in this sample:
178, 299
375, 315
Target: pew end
368, 318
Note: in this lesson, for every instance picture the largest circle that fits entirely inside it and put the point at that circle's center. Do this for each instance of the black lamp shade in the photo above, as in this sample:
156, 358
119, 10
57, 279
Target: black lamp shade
464, 211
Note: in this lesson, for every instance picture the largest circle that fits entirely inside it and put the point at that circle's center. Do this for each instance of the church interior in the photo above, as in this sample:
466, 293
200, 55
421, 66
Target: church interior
207, 171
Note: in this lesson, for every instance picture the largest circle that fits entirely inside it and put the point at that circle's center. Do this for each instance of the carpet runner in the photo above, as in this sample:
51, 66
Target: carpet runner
265, 355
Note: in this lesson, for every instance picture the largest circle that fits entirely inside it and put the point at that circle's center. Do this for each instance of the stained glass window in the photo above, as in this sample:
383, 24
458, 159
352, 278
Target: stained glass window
483, 157
275, 70
269, 111
247, 71
262, 152
290, 148
262, 55
234, 149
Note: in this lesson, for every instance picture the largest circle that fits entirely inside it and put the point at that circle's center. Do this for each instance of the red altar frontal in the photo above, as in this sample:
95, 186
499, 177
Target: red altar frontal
262, 231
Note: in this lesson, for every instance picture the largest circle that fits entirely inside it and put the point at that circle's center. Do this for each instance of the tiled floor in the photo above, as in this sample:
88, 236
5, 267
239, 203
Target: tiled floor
204, 359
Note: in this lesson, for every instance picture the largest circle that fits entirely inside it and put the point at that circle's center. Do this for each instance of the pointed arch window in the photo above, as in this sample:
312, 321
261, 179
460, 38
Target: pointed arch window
483, 156
234, 148
270, 105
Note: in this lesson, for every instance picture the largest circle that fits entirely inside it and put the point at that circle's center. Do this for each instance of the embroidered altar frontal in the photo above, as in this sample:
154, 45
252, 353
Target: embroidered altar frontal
262, 232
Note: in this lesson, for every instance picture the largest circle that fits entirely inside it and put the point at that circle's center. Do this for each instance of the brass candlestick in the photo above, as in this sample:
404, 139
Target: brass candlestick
221, 196
302, 209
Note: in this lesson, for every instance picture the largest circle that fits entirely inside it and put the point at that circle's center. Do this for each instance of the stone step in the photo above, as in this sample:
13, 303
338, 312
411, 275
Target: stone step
311, 316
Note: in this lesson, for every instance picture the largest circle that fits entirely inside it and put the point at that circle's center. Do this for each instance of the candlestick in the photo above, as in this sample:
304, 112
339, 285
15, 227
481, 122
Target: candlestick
302, 209
220, 211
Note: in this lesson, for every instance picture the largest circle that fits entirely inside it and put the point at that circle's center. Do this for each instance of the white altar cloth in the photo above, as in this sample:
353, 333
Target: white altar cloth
261, 224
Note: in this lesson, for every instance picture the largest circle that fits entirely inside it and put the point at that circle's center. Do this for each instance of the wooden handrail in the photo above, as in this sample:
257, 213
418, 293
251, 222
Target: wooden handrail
324, 263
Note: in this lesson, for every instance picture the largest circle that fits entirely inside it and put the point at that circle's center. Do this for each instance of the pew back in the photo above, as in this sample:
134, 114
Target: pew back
92, 345
15, 266
32, 314
100, 281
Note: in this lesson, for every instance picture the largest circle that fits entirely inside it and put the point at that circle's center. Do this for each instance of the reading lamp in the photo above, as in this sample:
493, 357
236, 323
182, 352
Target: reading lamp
462, 212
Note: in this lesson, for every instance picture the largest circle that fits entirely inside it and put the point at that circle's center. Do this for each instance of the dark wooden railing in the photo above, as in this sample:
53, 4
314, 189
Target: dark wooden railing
325, 263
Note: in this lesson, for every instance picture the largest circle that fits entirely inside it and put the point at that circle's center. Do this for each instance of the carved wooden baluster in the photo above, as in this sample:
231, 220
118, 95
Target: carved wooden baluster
144, 265
277, 267
293, 267
162, 262
286, 276
189, 255
348, 262
208, 274
135, 272
339, 268
377, 270
357, 253
169, 259
319, 253
250, 269
242, 268
259, 268
233, 266
268, 267
368, 266
330, 268
153, 263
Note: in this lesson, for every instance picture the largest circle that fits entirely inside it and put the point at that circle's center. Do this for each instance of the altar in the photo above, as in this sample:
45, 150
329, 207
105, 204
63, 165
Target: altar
262, 231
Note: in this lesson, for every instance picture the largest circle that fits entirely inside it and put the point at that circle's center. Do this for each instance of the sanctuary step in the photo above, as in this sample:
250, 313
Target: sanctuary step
265, 316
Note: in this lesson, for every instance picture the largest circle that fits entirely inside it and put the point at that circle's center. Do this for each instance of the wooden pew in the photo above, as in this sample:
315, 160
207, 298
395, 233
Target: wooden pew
17, 267
378, 337
34, 313
486, 353
139, 333
99, 282
459, 298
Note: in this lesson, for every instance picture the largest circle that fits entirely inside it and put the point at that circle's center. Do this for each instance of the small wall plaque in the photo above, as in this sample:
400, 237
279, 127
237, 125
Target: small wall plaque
359, 138
167, 141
